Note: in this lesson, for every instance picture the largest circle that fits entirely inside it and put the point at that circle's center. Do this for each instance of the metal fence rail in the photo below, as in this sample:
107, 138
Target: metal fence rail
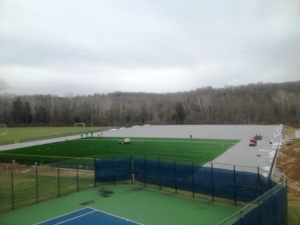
7, 142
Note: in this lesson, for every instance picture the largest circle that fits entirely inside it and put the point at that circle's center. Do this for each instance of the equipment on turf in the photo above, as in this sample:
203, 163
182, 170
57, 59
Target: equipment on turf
3, 125
253, 142
127, 141
258, 136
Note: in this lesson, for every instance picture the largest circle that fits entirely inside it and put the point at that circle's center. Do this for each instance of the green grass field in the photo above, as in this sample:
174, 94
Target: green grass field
15, 134
202, 150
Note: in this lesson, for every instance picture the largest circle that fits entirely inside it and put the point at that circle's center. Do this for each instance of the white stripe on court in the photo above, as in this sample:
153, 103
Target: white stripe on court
93, 211
118, 217
45, 221
73, 218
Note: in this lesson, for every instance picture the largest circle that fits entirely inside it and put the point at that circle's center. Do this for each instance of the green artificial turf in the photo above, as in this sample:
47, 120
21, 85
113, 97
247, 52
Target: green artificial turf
202, 150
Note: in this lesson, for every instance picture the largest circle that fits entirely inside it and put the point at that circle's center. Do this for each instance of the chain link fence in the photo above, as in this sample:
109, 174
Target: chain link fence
262, 196
22, 185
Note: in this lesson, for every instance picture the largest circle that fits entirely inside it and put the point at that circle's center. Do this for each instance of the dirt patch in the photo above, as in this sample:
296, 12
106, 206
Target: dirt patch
289, 132
13, 166
288, 163
43, 170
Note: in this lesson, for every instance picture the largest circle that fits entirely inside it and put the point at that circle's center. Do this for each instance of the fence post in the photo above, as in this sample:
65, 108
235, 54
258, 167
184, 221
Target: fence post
36, 183
234, 181
258, 182
212, 182
286, 200
132, 168
114, 165
95, 172
12, 190
260, 214
175, 175
77, 177
145, 172
159, 173
193, 178
58, 181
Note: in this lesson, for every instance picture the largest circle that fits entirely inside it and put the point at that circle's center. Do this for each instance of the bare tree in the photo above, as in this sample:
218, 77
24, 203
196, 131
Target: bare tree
202, 104
253, 103
3, 84
280, 98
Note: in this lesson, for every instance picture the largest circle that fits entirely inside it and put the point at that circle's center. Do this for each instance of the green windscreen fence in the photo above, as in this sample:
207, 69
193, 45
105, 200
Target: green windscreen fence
265, 199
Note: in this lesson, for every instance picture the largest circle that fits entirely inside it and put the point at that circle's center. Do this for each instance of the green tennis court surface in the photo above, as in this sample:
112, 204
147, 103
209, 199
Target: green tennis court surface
135, 203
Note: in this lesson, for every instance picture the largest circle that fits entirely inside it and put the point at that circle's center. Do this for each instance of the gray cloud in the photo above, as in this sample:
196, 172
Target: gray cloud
154, 46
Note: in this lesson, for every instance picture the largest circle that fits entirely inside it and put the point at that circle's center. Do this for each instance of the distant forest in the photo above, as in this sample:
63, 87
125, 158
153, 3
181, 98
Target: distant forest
260, 103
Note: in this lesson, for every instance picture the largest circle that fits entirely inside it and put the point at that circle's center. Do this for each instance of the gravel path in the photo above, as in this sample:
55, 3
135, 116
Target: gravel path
240, 154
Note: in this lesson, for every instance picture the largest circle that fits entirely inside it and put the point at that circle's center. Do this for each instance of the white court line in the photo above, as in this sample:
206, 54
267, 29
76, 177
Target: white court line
93, 211
65, 215
117, 216
73, 218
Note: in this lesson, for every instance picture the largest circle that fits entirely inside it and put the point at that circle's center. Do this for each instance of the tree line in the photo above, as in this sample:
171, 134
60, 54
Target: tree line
260, 103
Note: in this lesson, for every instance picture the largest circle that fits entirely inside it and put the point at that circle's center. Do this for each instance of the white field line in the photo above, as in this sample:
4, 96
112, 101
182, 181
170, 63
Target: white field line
4, 133
197, 142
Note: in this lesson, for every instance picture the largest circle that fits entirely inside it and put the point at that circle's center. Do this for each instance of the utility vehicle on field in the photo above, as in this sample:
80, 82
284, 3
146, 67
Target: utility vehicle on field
253, 142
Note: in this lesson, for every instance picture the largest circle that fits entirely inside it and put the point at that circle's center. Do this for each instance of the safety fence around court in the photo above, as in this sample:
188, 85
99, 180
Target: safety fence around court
262, 198
23, 185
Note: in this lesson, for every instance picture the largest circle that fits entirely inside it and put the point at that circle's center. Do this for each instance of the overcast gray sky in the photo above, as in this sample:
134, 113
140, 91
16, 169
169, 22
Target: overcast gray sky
101, 46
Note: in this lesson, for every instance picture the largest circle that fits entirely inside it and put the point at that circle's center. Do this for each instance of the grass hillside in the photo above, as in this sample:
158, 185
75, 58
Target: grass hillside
15, 134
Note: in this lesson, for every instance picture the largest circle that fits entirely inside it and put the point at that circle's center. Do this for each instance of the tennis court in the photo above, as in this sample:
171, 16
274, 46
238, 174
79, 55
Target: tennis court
88, 216
117, 204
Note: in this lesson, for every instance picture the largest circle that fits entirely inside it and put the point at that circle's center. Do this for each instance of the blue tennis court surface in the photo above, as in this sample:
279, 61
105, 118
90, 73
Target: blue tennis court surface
88, 216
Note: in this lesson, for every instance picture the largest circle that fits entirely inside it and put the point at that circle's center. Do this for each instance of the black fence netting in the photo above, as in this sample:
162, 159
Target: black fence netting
113, 170
222, 183
266, 210
228, 184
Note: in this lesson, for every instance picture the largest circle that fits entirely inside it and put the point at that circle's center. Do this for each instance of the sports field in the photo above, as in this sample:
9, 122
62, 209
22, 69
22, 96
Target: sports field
17, 133
201, 150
